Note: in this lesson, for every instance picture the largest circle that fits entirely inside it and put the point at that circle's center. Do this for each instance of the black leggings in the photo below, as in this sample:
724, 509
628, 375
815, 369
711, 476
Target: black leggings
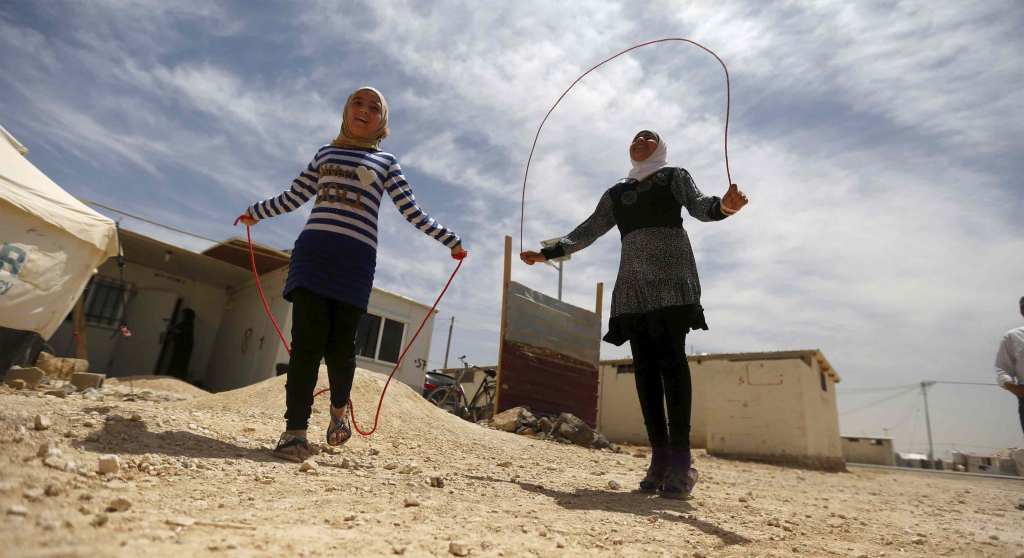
321, 328
1020, 410
663, 380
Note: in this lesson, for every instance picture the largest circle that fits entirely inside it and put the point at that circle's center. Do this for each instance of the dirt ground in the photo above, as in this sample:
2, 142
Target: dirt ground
196, 479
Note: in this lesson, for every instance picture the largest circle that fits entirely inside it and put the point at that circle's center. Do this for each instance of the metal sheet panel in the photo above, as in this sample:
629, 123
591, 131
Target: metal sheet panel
549, 355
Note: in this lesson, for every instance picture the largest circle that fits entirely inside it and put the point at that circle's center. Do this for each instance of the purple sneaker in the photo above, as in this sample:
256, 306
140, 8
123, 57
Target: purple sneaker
656, 472
680, 479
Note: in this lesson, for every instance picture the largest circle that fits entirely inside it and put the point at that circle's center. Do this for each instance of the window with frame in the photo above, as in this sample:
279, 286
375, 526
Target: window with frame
379, 338
104, 301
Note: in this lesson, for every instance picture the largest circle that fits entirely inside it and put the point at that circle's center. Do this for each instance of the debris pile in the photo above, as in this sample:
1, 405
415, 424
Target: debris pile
565, 428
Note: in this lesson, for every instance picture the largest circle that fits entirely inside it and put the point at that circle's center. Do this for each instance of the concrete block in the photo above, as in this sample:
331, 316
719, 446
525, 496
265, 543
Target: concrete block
61, 368
31, 376
85, 380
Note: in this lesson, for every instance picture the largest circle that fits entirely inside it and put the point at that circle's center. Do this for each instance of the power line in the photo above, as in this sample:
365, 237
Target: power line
904, 386
877, 389
150, 221
168, 227
905, 391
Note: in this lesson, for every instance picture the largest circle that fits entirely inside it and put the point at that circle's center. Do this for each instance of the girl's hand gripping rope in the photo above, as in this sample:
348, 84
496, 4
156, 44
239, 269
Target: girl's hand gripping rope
733, 200
530, 257
459, 253
245, 219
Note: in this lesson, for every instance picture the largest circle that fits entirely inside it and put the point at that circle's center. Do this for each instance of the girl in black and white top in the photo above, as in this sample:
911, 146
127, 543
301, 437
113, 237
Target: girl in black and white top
656, 299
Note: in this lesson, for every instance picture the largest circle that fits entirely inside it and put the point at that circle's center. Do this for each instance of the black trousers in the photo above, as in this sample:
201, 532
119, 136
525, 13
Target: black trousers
322, 328
1020, 410
663, 383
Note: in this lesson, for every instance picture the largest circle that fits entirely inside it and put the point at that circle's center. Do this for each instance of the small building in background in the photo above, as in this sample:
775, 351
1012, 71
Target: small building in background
149, 294
769, 406
869, 450
233, 343
989, 464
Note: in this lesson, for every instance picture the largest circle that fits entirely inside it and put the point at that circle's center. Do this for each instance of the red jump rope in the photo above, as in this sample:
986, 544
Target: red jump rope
526, 174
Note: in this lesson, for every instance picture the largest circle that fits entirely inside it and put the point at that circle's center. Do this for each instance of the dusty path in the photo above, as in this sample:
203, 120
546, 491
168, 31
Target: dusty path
199, 480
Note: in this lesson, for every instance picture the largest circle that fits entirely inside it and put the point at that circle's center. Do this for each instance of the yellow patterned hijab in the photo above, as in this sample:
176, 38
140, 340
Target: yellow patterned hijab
346, 139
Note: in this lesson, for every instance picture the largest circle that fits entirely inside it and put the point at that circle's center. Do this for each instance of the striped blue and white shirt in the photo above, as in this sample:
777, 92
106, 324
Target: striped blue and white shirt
335, 255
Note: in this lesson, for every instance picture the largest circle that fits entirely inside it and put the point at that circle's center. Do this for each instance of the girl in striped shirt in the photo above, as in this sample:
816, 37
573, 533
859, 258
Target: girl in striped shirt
332, 265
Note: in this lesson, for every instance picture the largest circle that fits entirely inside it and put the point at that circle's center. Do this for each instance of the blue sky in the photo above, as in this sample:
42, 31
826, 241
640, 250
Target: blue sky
879, 143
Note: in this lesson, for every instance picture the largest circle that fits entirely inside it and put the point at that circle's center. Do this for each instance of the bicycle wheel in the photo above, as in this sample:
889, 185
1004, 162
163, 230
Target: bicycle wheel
449, 399
482, 406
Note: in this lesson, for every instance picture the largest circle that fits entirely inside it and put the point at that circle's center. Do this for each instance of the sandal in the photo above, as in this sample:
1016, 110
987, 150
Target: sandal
292, 448
338, 432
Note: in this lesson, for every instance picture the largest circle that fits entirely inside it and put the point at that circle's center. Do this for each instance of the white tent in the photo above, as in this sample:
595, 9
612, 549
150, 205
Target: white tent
50, 244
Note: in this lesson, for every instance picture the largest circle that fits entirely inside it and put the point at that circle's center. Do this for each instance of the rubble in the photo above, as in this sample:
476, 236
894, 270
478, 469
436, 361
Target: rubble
108, 465
119, 504
410, 469
55, 462
86, 380
46, 449
42, 422
566, 428
61, 368
30, 377
16, 509
458, 548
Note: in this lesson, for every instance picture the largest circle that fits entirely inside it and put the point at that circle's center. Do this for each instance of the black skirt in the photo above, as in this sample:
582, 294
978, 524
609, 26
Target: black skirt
671, 321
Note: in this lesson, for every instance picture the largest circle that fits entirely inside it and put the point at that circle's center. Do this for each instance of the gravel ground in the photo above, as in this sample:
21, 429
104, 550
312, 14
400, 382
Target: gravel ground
194, 477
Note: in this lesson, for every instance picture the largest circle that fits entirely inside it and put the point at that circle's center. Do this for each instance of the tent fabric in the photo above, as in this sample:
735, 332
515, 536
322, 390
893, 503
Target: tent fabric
50, 245
28, 189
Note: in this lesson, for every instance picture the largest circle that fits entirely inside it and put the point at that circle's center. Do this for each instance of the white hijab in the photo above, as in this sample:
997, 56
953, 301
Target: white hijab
657, 161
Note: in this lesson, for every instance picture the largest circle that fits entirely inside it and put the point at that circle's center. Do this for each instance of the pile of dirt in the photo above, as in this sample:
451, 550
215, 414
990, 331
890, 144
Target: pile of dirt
165, 384
406, 418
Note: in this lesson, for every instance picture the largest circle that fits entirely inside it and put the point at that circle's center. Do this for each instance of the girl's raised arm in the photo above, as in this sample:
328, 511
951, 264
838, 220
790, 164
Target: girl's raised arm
403, 198
599, 222
702, 207
303, 188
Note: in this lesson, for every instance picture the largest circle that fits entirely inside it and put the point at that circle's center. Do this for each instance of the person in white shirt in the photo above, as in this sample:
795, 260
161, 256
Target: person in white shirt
1010, 364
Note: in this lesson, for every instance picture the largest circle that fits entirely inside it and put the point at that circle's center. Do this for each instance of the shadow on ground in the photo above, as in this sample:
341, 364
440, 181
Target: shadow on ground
636, 503
123, 436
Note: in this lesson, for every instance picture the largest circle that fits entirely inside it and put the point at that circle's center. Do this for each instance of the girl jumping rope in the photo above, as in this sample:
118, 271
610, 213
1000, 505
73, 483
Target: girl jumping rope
656, 300
332, 265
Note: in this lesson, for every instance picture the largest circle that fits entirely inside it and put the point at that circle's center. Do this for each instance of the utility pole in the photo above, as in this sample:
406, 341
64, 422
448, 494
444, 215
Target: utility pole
928, 422
560, 261
448, 348
560, 279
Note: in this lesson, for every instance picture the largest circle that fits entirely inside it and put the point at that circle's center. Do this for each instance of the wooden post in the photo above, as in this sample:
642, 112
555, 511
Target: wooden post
598, 306
78, 329
506, 278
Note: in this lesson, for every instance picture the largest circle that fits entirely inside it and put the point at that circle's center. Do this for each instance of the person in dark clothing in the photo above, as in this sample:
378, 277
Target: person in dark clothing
182, 338
656, 300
